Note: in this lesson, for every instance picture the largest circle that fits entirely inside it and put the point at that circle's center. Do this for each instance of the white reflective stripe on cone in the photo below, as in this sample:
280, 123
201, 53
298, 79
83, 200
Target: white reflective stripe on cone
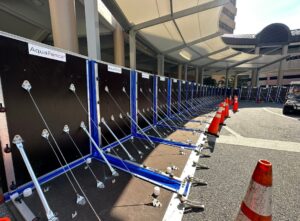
242, 217
259, 199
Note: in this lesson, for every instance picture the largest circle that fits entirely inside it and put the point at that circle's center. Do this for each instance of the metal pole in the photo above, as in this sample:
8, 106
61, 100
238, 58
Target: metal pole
18, 141
113, 171
92, 29
132, 49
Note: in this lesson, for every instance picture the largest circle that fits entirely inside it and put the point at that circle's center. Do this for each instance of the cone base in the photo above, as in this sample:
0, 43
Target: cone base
208, 133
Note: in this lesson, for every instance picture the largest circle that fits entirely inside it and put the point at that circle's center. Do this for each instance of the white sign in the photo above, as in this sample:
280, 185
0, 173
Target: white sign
115, 69
175, 80
46, 52
145, 75
162, 78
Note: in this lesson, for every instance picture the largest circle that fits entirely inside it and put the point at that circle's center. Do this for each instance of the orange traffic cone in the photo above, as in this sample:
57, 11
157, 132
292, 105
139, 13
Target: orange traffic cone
222, 114
226, 109
5, 219
257, 204
235, 107
214, 125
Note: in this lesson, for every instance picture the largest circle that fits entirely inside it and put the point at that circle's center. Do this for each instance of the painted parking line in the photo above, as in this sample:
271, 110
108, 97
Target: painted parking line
260, 143
281, 115
232, 131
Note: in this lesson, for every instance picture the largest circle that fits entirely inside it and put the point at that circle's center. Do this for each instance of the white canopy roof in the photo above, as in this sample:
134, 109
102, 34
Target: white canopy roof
188, 31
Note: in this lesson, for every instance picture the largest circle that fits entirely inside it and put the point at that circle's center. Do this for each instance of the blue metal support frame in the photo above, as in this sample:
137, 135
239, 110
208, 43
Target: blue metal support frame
178, 128
179, 95
169, 96
49, 176
162, 180
93, 105
133, 100
167, 142
154, 99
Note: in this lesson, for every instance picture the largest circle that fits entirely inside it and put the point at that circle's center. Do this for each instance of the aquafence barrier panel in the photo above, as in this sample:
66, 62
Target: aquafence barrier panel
114, 104
144, 98
50, 80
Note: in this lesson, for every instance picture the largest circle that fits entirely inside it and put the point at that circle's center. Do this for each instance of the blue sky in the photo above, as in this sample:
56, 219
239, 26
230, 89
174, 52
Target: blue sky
254, 15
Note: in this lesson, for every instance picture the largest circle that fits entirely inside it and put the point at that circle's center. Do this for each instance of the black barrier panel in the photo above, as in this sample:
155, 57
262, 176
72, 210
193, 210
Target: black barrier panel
3, 182
174, 98
115, 103
207, 90
203, 90
228, 92
50, 80
263, 94
273, 94
222, 91
236, 92
244, 93
189, 91
219, 91
213, 91
162, 96
194, 92
282, 94
200, 91
183, 91
253, 95
144, 98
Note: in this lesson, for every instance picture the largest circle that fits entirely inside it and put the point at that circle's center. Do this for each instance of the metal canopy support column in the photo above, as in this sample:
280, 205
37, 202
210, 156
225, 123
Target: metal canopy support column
254, 76
282, 65
119, 56
235, 81
185, 72
92, 29
179, 71
64, 25
202, 72
226, 78
197, 75
254, 80
132, 49
160, 65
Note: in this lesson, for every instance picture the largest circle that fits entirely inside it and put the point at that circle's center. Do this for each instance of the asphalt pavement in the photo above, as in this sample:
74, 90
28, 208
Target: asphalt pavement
259, 128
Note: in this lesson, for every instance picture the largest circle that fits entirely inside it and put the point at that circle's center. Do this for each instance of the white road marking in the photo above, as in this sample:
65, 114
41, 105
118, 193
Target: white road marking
174, 211
281, 115
260, 143
232, 131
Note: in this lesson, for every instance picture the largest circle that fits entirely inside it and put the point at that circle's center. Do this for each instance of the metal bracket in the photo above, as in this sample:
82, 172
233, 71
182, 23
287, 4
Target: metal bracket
189, 203
13, 186
7, 149
26, 85
72, 88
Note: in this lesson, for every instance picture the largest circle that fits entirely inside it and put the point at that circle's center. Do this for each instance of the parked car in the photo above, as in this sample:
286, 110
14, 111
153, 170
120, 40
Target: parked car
292, 103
